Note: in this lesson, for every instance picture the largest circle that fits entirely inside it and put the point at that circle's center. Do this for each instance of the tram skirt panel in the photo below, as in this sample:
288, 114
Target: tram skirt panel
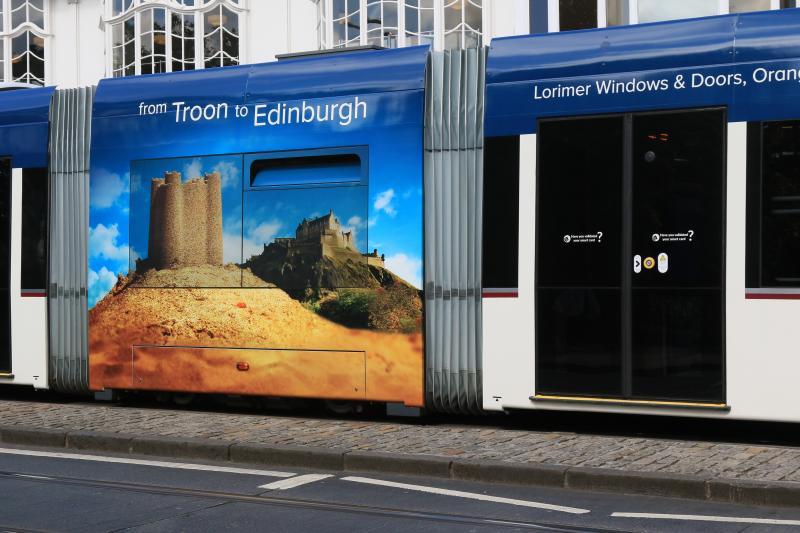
70, 136
453, 222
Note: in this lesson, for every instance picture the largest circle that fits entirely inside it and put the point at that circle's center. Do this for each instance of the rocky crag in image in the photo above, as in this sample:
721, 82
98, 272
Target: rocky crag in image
315, 291
322, 268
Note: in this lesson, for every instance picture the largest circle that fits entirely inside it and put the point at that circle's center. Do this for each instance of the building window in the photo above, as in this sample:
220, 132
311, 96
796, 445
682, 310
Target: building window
382, 23
391, 23
419, 15
124, 48
23, 41
152, 36
221, 37
153, 39
577, 14
656, 10
463, 24
182, 41
345, 22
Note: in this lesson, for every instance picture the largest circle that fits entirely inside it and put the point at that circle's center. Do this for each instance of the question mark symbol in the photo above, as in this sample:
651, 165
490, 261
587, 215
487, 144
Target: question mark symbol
691, 234
599, 236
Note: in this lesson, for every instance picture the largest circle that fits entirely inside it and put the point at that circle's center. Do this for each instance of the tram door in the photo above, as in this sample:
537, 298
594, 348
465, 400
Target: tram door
630, 262
5, 266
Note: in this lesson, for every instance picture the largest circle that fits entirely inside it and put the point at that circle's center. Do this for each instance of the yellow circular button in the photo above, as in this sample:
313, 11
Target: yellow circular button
649, 263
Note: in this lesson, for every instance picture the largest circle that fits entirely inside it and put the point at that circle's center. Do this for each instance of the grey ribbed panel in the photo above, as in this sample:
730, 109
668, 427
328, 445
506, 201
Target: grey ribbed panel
70, 136
453, 229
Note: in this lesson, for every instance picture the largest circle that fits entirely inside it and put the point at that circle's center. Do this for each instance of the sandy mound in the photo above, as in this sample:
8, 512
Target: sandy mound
238, 317
199, 276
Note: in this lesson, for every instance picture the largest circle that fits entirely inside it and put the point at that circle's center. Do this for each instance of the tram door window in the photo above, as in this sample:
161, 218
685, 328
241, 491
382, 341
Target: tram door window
677, 304
630, 256
34, 230
578, 256
773, 210
501, 212
5, 265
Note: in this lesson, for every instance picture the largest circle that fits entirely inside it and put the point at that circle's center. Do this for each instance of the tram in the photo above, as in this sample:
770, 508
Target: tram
604, 220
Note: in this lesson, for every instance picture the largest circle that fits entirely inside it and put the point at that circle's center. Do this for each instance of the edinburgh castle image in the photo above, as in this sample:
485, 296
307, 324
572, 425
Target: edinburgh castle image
323, 237
185, 221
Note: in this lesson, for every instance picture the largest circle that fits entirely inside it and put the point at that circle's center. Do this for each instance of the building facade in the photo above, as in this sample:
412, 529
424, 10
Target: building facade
78, 42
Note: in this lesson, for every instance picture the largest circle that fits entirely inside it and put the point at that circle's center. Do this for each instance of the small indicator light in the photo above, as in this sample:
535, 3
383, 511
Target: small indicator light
242, 366
663, 263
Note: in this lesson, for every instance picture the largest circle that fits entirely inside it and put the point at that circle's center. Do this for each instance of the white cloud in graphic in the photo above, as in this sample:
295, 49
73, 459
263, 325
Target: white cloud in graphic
355, 221
229, 173
103, 243
407, 267
383, 202
258, 236
231, 248
99, 284
136, 183
193, 169
106, 188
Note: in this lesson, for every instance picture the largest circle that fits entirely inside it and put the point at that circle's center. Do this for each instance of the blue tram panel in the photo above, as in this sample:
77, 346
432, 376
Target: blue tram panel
748, 62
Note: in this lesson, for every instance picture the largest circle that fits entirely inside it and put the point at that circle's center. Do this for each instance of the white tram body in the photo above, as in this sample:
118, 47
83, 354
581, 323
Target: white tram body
655, 80
24, 137
604, 220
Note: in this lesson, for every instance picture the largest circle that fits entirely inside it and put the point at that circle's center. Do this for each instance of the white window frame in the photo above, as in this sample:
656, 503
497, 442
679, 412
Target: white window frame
9, 33
325, 23
402, 26
171, 6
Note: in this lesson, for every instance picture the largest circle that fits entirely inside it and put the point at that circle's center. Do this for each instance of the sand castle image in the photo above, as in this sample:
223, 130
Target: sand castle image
185, 221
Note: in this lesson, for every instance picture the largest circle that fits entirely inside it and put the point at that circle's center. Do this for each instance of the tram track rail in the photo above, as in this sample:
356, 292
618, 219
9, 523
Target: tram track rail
313, 505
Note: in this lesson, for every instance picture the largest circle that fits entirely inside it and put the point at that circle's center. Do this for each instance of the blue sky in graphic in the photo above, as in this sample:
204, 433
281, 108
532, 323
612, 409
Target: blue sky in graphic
129, 151
374, 217
268, 213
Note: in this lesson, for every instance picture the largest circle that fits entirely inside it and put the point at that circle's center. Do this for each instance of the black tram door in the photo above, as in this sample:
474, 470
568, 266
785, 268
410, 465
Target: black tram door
5, 266
579, 239
677, 292
629, 273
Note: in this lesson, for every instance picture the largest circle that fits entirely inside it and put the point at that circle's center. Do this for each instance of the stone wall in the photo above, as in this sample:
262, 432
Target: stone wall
327, 231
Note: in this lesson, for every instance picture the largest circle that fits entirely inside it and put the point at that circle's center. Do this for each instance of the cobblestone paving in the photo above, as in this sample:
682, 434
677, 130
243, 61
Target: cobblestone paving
741, 461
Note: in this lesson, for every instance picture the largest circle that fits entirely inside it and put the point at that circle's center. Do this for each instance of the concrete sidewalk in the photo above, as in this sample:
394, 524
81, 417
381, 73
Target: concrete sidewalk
739, 473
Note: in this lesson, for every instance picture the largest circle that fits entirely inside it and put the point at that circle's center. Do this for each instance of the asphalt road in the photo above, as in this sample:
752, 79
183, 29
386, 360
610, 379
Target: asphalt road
43, 490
